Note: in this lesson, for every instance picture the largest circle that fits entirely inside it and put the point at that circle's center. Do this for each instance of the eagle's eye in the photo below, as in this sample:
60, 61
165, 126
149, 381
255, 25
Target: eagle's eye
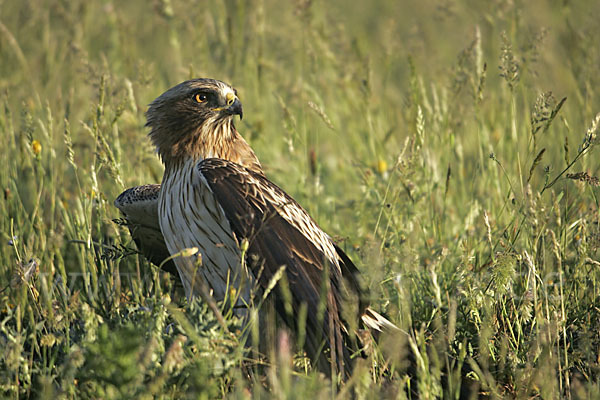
201, 98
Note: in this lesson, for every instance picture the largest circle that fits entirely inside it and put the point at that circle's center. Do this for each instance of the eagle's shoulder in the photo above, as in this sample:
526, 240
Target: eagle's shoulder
246, 194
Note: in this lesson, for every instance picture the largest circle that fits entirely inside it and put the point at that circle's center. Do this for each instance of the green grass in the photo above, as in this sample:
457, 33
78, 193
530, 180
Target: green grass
429, 138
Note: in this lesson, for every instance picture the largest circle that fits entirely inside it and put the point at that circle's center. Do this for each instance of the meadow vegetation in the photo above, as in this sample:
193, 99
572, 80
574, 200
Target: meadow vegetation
448, 146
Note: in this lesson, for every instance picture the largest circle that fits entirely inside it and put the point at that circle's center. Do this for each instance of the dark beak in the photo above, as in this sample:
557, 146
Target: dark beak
236, 108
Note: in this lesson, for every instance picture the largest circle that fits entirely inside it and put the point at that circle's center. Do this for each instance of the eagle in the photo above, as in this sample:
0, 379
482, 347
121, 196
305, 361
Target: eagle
248, 232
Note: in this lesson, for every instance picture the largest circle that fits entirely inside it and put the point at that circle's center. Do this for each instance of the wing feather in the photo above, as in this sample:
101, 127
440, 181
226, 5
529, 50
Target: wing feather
139, 206
280, 232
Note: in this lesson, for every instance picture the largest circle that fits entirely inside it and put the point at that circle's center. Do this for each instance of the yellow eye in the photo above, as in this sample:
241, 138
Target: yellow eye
201, 98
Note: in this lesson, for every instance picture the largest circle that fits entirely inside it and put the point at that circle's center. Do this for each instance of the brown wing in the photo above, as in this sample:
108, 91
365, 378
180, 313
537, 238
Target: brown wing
280, 232
139, 206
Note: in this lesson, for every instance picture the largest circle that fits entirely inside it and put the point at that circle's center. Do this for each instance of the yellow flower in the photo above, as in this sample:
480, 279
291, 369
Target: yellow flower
382, 166
36, 147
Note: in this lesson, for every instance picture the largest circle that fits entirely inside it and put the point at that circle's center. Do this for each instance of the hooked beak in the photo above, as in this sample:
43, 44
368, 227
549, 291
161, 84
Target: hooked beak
233, 107
236, 108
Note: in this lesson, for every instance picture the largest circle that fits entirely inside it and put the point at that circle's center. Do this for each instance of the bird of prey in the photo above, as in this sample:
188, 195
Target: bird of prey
215, 197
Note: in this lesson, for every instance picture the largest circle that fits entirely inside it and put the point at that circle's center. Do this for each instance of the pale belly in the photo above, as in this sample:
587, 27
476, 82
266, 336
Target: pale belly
189, 217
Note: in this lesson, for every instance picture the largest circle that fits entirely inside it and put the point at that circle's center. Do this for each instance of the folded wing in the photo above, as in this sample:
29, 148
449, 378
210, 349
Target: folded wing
281, 233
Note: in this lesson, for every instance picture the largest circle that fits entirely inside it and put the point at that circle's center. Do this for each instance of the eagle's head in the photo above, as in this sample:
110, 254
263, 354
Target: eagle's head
193, 119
